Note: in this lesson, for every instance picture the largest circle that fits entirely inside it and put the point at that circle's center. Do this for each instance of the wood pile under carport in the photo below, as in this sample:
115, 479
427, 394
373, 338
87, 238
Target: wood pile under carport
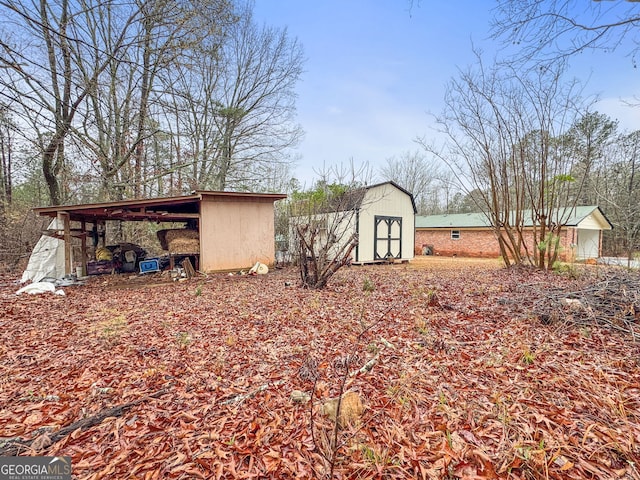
180, 241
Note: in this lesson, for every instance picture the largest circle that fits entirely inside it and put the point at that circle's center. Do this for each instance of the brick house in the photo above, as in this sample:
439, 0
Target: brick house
471, 234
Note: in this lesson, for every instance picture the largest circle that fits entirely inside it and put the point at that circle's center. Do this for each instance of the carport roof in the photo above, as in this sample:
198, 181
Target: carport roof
164, 209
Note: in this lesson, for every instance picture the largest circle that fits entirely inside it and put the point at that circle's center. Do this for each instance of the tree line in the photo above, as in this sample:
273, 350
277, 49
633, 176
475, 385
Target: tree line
129, 98
126, 99
522, 144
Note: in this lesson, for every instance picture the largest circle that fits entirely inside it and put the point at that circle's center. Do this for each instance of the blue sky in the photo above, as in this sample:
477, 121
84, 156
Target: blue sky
376, 70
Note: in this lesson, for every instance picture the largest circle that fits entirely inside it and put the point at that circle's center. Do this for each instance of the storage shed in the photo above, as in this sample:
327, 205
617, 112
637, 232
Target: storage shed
235, 229
385, 223
471, 234
383, 216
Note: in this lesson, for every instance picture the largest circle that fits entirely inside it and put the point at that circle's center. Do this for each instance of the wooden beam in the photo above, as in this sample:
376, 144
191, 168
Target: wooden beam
59, 234
168, 217
83, 248
64, 218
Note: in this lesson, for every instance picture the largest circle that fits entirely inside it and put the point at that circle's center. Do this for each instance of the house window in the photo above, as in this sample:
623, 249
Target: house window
455, 234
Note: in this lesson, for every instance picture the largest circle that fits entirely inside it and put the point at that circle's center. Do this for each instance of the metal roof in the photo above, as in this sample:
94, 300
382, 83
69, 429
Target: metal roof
481, 220
455, 220
352, 199
164, 209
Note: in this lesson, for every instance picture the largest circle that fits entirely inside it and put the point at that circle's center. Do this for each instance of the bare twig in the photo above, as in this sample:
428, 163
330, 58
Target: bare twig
244, 396
15, 446
612, 303
344, 382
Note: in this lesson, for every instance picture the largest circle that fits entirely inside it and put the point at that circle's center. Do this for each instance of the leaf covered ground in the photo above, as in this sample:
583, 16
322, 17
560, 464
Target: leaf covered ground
465, 380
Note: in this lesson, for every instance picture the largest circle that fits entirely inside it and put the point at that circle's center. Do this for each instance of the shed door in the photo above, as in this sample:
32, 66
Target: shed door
388, 237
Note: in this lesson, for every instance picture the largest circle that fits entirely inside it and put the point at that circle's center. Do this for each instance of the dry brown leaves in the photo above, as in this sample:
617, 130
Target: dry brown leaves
465, 383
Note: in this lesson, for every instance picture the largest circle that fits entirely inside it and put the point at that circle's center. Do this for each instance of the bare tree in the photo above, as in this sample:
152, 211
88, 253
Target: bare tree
189, 113
91, 73
20, 184
620, 192
324, 239
125, 133
587, 141
233, 110
322, 223
255, 116
44, 80
503, 130
7, 146
419, 176
555, 29
547, 31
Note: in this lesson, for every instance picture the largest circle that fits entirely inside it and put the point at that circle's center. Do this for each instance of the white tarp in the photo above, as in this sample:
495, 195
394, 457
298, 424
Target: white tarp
47, 258
40, 287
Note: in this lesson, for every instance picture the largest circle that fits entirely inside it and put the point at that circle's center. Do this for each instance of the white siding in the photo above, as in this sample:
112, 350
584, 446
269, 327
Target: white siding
589, 229
385, 200
592, 222
588, 244
340, 225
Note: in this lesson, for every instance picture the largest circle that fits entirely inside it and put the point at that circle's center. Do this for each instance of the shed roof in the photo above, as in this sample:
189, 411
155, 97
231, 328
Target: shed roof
164, 209
394, 184
352, 199
481, 220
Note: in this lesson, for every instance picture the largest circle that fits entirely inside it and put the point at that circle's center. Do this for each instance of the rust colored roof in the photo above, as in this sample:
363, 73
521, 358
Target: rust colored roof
164, 209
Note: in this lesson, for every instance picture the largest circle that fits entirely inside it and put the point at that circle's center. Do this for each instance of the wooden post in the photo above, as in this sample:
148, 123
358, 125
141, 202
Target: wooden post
83, 248
64, 218
188, 268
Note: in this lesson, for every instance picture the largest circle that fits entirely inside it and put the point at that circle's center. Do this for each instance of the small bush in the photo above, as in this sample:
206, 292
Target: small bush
568, 269
368, 285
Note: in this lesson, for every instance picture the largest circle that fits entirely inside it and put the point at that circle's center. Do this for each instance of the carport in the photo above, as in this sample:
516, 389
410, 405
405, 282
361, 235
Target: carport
235, 229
